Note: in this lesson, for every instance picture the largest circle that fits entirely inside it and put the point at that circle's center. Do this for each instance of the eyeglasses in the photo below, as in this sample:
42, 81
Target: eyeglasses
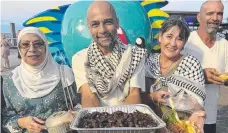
36, 45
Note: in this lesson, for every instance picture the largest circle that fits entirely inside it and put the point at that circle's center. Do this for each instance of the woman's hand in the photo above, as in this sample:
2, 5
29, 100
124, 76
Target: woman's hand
32, 124
198, 119
159, 96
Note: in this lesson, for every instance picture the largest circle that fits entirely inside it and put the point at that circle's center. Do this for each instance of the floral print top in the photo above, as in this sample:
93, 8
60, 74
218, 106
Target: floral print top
18, 106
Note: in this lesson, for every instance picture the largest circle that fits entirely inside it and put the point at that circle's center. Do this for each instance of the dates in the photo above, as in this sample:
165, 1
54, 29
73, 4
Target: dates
116, 119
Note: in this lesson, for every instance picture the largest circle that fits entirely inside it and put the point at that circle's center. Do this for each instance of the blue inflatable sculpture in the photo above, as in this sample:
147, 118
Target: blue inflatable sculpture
76, 36
67, 33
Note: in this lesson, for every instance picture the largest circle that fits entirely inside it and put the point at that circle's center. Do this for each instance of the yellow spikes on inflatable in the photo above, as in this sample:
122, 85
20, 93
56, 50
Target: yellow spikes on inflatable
157, 47
49, 42
40, 19
157, 12
157, 24
156, 36
56, 8
145, 2
45, 30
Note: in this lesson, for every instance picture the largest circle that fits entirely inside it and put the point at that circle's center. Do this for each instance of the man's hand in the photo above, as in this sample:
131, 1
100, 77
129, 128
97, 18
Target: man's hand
212, 76
89, 99
32, 124
159, 96
133, 97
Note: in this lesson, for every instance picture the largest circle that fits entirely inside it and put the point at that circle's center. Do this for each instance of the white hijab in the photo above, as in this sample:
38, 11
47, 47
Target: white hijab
38, 81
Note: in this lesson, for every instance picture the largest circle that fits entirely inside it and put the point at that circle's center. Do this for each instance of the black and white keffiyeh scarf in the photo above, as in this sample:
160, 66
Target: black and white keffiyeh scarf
102, 70
187, 75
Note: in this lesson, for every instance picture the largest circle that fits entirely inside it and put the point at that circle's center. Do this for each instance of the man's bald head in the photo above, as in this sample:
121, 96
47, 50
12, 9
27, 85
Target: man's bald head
102, 23
209, 2
210, 17
102, 6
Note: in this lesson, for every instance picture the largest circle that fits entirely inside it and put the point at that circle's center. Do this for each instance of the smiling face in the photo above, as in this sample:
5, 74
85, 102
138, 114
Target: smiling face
210, 16
32, 49
102, 23
171, 43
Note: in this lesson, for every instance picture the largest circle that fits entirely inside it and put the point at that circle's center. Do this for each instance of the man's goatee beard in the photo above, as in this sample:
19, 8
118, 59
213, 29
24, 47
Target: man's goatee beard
212, 31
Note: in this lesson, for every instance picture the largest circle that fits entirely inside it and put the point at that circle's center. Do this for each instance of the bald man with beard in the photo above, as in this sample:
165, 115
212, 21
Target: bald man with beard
212, 52
108, 72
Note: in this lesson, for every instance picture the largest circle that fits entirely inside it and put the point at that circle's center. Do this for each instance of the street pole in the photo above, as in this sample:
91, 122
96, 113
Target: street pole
13, 32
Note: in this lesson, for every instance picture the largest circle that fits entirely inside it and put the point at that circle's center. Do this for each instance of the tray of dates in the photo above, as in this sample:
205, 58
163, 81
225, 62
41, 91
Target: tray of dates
134, 118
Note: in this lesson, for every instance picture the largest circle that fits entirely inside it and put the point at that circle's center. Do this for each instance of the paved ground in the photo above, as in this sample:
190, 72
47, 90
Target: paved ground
222, 126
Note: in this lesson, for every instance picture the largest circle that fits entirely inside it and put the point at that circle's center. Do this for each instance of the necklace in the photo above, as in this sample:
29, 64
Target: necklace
167, 68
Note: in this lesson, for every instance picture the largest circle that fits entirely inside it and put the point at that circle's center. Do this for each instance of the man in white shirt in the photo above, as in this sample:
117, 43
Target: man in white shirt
108, 72
212, 51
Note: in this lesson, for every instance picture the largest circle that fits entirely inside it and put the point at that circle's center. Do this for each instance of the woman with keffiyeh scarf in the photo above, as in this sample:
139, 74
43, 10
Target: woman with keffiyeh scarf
176, 76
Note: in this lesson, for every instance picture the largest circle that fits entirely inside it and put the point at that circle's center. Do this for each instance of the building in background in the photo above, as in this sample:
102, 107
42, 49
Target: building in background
11, 37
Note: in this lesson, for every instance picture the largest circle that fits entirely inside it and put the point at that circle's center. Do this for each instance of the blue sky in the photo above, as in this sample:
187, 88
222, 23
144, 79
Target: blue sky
18, 11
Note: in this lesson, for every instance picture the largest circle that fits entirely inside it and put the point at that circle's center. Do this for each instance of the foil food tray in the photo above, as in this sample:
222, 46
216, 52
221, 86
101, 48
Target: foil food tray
111, 109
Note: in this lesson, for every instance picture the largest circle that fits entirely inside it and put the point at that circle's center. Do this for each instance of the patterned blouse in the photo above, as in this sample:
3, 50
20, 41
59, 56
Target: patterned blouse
18, 106
187, 75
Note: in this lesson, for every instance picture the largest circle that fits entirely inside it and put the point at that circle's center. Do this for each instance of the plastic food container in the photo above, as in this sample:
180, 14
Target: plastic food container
111, 109
59, 122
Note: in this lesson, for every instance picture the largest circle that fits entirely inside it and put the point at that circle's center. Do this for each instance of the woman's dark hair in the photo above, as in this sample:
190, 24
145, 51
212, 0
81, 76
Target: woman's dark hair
181, 24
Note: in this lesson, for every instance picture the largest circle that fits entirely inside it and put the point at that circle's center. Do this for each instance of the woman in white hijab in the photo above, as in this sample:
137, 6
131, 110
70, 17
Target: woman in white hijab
33, 91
